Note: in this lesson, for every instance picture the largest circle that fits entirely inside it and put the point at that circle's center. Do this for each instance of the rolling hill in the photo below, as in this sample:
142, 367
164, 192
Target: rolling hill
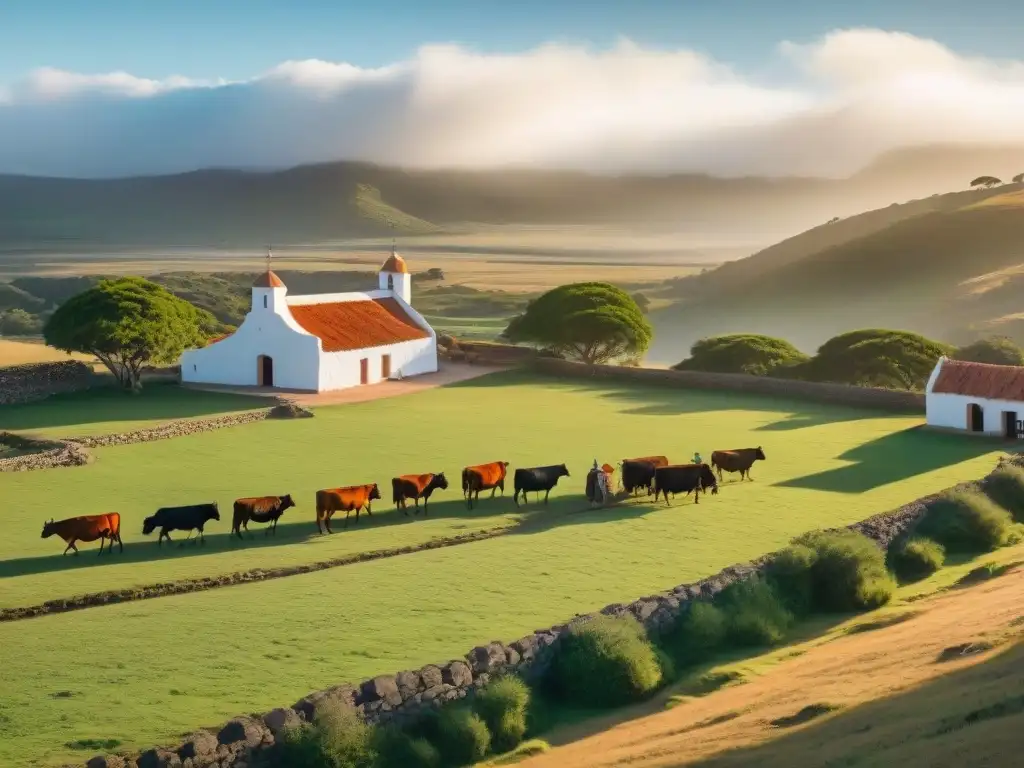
949, 266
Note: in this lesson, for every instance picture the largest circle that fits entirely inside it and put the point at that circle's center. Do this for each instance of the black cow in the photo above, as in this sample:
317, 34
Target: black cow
537, 479
639, 473
684, 478
190, 518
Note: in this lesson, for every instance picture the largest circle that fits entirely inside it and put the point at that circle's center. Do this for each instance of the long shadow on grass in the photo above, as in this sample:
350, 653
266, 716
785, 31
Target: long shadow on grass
895, 457
157, 402
970, 716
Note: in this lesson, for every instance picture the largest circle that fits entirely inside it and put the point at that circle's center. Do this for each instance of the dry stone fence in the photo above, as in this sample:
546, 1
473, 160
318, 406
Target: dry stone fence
245, 742
37, 381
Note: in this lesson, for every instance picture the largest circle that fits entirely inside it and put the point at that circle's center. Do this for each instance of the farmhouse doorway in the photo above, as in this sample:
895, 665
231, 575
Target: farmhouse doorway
385, 367
265, 371
1011, 427
975, 418
364, 370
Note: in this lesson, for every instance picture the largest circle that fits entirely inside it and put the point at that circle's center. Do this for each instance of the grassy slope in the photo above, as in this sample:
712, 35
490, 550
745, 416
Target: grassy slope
878, 669
262, 645
883, 268
17, 351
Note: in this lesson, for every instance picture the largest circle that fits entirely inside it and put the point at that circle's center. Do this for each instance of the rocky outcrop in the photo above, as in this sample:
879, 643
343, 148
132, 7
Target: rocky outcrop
37, 381
407, 695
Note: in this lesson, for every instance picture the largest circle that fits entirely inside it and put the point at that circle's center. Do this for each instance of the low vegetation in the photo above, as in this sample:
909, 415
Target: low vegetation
916, 558
966, 522
1005, 487
503, 706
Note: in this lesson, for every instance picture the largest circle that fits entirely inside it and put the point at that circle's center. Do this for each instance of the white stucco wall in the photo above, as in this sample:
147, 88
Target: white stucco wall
950, 411
339, 370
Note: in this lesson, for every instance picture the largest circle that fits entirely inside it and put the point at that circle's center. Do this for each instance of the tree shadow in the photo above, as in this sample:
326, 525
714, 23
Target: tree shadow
895, 457
157, 402
972, 716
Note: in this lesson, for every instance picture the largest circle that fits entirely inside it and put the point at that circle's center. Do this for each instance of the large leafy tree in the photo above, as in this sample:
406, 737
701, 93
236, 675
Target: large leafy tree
996, 350
591, 322
742, 353
128, 323
878, 357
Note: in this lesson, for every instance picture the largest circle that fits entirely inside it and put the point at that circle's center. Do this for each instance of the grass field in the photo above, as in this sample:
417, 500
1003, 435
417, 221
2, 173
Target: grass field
174, 663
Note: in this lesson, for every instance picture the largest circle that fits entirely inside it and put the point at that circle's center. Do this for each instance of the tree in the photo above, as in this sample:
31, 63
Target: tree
986, 181
18, 322
1019, 178
878, 357
996, 350
127, 323
742, 353
591, 322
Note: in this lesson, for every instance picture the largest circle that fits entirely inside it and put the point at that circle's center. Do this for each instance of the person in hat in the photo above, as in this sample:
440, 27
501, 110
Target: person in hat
697, 458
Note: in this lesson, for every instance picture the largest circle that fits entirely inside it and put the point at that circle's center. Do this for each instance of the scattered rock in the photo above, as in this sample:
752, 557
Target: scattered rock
457, 673
280, 720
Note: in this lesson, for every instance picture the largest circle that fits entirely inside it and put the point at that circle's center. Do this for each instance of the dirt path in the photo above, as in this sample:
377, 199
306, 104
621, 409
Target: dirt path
449, 373
897, 703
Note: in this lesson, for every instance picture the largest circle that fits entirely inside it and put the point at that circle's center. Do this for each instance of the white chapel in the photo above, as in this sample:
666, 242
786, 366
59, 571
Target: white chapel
321, 342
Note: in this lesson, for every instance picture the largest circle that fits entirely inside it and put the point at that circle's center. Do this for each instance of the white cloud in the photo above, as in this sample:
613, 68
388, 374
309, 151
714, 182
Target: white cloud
852, 94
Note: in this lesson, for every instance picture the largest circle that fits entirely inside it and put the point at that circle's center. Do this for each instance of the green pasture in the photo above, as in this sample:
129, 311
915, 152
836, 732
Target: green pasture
168, 665
470, 328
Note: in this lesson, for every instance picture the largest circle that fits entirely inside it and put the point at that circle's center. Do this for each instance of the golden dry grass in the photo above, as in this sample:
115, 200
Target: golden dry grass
877, 697
1007, 200
19, 352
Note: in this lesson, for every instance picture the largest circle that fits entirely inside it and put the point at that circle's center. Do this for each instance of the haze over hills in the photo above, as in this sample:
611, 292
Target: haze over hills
950, 266
325, 202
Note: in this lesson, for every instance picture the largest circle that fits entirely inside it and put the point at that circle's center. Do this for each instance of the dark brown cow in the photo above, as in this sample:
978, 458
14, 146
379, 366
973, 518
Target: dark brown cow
416, 487
351, 498
684, 478
87, 528
259, 509
737, 460
482, 477
639, 473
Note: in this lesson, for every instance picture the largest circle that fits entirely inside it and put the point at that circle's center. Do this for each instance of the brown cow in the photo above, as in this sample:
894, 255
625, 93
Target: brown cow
737, 460
482, 477
416, 487
352, 497
639, 473
259, 509
87, 528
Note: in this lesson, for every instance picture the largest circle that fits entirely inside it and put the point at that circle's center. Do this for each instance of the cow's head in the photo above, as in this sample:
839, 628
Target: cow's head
48, 530
287, 501
708, 480
440, 481
375, 492
563, 471
759, 454
214, 513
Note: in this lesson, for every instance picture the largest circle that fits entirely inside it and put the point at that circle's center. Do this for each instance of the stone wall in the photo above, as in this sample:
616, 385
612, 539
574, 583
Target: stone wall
36, 381
838, 394
406, 695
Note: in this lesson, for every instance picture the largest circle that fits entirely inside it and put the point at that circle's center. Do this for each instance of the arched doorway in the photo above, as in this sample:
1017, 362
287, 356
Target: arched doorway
975, 418
265, 371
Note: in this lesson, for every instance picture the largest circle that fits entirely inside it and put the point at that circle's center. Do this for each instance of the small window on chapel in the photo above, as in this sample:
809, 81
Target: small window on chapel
264, 302
391, 282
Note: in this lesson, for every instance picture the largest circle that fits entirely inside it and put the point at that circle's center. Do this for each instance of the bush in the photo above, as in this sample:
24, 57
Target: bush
502, 705
337, 738
1005, 487
741, 353
605, 662
755, 615
789, 574
462, 737
396, 749
848, 573
698, 634
916, 559
966, 521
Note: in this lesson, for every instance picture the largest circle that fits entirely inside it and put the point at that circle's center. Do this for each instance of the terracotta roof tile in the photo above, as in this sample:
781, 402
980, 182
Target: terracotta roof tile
346, 325
268, 280
395, 263
993, 382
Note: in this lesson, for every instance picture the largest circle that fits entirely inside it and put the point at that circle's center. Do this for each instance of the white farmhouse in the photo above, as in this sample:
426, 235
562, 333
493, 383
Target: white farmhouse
321, 342
976, 397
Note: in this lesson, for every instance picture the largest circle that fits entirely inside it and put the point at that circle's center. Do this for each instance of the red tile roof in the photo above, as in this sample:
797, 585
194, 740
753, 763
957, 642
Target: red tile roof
395, 263
346, 325
268, 280
993, 382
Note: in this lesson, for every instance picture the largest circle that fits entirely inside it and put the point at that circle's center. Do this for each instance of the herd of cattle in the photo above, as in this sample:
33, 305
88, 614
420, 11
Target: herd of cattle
653, 474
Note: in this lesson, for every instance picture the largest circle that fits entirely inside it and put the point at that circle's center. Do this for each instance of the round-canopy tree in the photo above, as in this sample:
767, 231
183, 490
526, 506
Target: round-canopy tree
996, 350
986, 181
592, 322
128, 322
878, 357
741, 353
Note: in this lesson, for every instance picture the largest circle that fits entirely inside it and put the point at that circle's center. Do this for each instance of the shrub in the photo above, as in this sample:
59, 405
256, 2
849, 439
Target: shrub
502, 705
604, 663
396, 749
966, 521
1005, 487
789, 574
916, 558
755, 615
698, 634
848, 572
741, 353
462, 737
337, 738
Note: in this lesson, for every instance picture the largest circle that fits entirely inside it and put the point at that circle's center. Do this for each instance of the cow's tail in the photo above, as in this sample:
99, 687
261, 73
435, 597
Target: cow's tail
149, 525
